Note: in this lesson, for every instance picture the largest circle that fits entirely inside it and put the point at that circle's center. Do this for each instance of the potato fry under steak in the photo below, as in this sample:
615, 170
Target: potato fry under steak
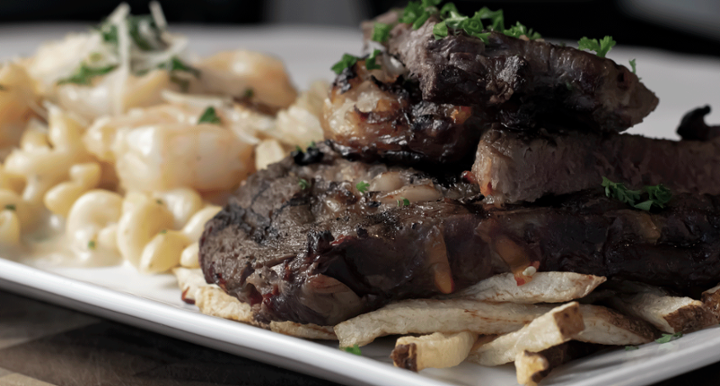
437, 350
545, 287
711, 301
605, 326
189, 281
214, 301
531, 368
427, 316
667, 313
554, 328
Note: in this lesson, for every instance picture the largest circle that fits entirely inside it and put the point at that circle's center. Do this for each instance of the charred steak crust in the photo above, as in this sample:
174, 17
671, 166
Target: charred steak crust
327, 253
514, 167
521, 81
374, 115
693, 127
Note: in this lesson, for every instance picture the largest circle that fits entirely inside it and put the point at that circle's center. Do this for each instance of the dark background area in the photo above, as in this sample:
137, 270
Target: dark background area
687, 26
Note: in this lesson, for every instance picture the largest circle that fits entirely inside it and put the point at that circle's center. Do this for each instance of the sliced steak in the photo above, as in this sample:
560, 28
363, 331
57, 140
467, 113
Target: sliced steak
522, 82
324, 253
693, 127
514, 167
373, 115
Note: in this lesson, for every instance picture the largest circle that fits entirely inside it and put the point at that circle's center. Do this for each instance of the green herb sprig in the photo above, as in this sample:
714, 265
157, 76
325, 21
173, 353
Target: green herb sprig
665, 338
346, 61
519, 30
658, 195
84, 74
601, 47
362, 186
209, 116
10, 207
453, 21
403, 202
303, 183
371, 61
352, 350
381, 32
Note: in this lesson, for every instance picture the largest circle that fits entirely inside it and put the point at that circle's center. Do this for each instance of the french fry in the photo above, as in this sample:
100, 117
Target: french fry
556, 327
437, 350
667, 313
189, 281
609, 327
711, 301
531, 367
545, 287
427, 316
212, 300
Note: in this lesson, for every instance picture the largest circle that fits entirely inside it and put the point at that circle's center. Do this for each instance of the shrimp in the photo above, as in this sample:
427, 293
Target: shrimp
163, 148
17, 101
233, 73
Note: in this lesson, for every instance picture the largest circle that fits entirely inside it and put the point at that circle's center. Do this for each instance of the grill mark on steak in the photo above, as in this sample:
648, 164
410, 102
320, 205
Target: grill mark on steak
327, 257
514, 167
521, 81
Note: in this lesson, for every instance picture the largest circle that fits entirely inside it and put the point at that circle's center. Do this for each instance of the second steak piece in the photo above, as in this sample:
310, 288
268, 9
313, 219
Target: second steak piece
515, 167
523, 81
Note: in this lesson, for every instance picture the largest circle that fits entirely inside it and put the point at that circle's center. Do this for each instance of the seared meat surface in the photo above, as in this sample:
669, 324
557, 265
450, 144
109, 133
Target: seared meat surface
514, 167
693, 127
323, 252
329, 252
374, 115
522, 82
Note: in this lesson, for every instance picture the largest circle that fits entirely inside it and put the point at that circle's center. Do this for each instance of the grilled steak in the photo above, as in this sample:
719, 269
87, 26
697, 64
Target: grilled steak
301, 243
693, 127
522, 82
374, 115
513, 166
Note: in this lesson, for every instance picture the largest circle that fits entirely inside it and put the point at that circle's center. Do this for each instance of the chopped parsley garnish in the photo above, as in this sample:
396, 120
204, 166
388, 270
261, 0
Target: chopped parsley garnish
138, 38
3, 88
371, 61
91, 244
346, 61
497, 19
175, 64
249, 93
665, 338
519, 30
403, 202
158, 201
298, 149
631, 348
362, 186
353, 350
164, 231
10, 207
381, 32
209, 116
601, 48
632, 64
619, 192
658, 195
303, 184
84, 74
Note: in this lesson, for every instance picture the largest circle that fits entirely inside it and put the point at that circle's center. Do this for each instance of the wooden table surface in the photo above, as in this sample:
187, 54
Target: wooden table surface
45, 345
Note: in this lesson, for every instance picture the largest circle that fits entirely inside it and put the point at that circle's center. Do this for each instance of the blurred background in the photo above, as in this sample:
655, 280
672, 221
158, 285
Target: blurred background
687, 26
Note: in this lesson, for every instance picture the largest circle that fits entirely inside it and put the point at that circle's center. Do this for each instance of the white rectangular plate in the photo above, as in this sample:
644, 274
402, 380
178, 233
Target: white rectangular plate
153, 302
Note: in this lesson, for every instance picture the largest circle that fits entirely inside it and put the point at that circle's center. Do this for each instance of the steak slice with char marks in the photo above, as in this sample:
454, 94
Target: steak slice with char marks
523, 82
327, 252
514, 167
